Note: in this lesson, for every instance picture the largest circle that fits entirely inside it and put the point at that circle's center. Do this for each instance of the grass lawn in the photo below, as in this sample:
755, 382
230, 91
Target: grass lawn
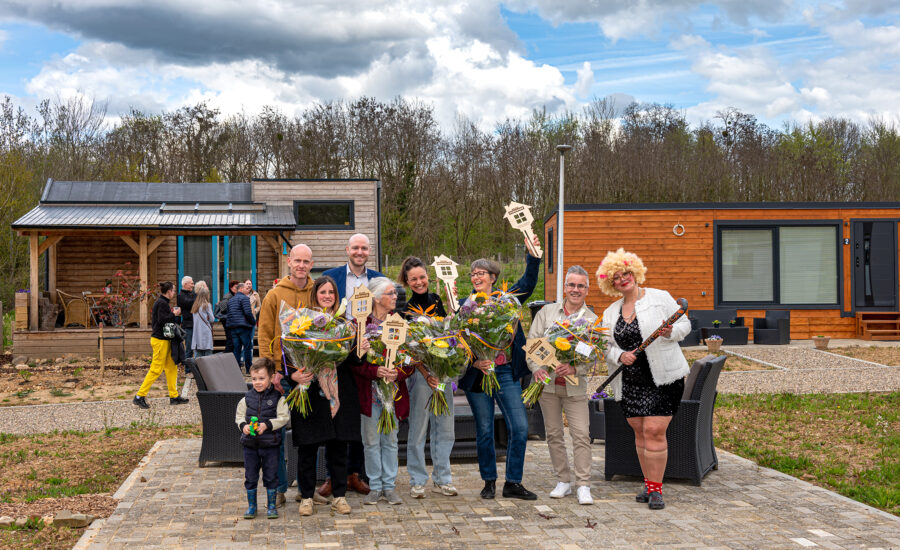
848, 443
886, 355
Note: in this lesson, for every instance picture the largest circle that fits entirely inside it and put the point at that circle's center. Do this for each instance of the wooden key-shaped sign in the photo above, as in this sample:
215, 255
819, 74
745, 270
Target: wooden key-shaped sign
445, 268
393, 334
360, 309
540, 352
519, 216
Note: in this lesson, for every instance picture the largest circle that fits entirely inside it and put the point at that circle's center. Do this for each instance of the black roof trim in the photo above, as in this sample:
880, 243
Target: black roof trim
721, 206
179, 228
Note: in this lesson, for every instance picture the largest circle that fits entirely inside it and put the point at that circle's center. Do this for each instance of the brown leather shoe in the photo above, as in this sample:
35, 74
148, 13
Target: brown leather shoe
325, 488
357, 485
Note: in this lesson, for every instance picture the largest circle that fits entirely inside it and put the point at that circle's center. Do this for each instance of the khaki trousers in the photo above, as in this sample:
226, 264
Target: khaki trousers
576, 408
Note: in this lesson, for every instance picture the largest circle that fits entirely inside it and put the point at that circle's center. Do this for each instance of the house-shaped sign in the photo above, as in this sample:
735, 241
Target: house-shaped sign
519, 216
542, 353
360, 308
393, 334
445, 268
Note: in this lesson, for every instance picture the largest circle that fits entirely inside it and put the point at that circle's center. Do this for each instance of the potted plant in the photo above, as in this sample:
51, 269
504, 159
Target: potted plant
597, 424
821, 342
716, 323
713, 343
733, 322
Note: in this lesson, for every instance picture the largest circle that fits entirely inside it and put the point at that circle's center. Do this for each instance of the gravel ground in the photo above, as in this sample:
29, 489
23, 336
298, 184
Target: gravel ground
799, 369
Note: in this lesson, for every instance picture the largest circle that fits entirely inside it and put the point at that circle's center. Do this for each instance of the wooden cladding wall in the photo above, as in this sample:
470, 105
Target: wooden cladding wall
684, 265
84, 263
328, 246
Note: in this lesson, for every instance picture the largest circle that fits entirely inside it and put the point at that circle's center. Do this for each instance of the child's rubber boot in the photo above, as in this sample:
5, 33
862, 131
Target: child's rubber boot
271, 510
251, 504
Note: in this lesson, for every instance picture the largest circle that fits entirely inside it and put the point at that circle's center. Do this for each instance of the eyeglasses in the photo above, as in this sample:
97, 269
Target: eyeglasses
478, 274
389, 293
573, 286
622, 277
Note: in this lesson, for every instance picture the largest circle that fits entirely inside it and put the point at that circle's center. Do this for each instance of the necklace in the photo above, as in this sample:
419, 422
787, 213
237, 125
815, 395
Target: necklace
630, 319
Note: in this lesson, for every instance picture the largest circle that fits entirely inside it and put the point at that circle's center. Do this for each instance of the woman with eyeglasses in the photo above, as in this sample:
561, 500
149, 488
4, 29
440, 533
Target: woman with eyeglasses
510, 369
650, 387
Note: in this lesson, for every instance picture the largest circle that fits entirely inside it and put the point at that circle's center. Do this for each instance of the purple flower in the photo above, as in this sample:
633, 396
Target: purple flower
452, 342
320, 321
371, 327
453, 385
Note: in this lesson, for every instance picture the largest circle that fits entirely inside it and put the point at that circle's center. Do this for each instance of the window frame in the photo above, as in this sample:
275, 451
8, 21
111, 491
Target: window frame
351, 203
774, 225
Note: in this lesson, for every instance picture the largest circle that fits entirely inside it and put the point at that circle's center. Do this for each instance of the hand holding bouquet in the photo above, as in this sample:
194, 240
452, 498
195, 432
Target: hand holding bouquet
385, 388
488, 324
444, 354
313, 342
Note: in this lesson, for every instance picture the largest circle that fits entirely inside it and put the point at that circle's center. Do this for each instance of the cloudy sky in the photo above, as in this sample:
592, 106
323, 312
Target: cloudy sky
488, 61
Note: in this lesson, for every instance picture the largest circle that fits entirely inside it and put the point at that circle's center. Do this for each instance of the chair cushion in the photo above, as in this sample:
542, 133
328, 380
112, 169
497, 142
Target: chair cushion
221, 372
691, 380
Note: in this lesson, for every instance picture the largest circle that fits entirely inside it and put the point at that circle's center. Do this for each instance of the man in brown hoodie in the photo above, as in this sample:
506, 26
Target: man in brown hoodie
296, 290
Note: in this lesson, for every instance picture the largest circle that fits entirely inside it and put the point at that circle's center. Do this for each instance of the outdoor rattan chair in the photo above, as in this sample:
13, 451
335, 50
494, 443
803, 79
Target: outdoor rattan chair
692, 451
75, 309
220, 386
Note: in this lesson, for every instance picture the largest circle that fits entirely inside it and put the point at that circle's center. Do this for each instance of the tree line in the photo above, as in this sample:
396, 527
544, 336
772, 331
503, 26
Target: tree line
444, 188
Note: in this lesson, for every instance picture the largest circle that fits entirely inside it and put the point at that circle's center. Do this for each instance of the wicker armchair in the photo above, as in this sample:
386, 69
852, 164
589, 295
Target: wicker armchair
220, 386
75, 308
692, 451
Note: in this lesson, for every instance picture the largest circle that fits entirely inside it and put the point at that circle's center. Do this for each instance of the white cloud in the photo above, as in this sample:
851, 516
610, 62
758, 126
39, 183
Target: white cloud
585, 80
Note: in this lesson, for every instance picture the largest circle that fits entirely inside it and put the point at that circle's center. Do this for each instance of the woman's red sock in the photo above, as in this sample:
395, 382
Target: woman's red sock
653, 486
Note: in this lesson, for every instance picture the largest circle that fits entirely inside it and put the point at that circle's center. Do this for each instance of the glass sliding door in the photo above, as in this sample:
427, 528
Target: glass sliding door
216, 260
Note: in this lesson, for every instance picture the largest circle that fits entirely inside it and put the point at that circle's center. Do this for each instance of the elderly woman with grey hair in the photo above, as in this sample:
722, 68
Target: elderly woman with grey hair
510, 369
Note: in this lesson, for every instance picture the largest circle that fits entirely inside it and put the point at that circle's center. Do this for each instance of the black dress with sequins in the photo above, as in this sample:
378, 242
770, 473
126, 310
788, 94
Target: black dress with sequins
640, 395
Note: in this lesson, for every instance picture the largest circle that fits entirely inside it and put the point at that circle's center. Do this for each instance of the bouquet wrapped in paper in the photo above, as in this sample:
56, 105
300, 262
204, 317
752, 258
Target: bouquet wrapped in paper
488, 324
314, 342
434, 343
575, 341
385, 391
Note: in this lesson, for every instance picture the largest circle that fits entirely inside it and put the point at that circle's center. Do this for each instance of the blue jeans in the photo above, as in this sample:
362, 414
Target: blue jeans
380, 451
243, 345
442, 434
282, 465
188, 334
202, 352
509, 399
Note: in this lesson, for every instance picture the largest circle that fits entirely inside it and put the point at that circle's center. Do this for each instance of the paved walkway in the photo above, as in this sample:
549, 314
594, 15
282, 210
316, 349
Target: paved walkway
170, 503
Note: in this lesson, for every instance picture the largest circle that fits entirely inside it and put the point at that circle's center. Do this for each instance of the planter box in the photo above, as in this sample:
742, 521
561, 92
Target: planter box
597, 427
731, 336
821, 343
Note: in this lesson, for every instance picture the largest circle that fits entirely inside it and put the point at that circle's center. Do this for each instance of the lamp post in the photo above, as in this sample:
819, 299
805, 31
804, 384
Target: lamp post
559, 222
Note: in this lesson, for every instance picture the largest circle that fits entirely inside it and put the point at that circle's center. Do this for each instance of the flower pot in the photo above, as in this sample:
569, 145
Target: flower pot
821, 343
713, 346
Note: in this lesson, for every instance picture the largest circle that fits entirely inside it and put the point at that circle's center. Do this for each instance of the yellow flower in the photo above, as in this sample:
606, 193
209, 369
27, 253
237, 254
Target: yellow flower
299, 326
441, 344
562, 344
481, 297
509, 329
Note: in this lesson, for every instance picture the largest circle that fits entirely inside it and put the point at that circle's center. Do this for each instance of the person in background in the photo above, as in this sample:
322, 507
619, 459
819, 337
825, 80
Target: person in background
203, 319
221, 312
241, 322
414, 275
347, 277
185, 302
652, 381
162, 349
260, 415
561, 394
255, 307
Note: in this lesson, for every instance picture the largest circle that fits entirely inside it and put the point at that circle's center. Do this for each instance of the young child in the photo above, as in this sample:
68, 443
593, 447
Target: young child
262, 438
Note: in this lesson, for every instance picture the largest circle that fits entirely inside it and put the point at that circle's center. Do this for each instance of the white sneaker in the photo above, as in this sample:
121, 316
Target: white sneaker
417, 491
447, 489
562, 489
584, 495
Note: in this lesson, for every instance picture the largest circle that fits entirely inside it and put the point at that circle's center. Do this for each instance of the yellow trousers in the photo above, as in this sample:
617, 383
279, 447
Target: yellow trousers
162, 361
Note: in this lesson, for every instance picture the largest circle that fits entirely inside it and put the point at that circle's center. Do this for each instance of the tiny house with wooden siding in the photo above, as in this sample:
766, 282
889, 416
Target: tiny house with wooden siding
833, 265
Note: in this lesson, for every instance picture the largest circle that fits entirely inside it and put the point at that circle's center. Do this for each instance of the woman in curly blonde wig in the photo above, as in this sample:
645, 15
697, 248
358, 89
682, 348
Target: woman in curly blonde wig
652, 381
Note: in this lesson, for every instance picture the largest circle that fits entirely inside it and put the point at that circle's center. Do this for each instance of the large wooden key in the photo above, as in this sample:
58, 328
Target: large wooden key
540, 352
393, 334
519, 216
445, 268
360, 308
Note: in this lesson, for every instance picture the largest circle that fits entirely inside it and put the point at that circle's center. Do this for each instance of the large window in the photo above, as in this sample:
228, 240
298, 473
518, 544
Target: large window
778, 265
217, 260
324, 214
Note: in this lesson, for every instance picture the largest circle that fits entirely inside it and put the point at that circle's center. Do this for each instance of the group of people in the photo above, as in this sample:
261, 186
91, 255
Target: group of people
355, 451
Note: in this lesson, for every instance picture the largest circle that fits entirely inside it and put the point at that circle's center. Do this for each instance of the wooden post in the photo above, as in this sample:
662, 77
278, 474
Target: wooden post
142, 262
51, 267
2, 328
34, 285
102, 358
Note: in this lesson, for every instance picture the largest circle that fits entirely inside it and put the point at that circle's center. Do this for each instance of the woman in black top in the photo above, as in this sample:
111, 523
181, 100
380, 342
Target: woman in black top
414, 276
162, 349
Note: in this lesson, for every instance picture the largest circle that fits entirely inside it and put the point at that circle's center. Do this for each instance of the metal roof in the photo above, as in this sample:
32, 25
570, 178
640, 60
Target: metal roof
143, 192
99, 216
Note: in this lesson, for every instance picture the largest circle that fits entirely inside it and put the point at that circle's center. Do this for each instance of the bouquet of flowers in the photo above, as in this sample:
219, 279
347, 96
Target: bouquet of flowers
576, 341
434, 343
385, 391
488, 324
314, 342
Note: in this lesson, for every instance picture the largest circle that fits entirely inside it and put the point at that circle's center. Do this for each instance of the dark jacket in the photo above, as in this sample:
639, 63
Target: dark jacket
423, 302
264, 406
366, 372
339, 274
319, 426
185, 301
240, 314
523, 288
221, 309
162, 314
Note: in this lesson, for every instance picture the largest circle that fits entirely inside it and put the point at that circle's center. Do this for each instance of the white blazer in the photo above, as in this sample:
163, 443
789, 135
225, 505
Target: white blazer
667, 363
